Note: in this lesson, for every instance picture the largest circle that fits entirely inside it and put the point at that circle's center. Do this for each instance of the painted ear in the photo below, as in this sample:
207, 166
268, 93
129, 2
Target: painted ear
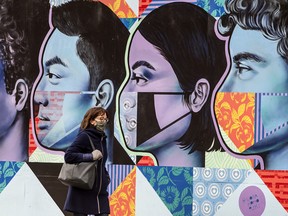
200, 95
20, 93
104, 93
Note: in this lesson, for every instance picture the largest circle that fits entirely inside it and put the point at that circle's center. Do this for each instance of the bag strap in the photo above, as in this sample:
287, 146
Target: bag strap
91, 143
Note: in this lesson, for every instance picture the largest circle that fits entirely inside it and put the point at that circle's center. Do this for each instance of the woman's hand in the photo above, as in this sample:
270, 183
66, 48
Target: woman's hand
97, 155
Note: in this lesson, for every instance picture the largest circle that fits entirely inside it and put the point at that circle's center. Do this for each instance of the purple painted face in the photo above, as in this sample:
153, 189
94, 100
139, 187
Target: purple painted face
152, 99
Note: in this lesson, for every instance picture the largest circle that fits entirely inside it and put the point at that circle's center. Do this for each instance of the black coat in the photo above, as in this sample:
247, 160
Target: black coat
93, 201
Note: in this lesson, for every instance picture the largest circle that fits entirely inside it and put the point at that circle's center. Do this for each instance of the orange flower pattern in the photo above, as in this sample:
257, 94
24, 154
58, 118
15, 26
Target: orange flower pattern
235, 114
122, 201
120, 8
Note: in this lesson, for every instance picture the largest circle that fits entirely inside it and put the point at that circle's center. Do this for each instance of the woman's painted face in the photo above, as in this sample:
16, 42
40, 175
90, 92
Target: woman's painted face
61, 106
152, 98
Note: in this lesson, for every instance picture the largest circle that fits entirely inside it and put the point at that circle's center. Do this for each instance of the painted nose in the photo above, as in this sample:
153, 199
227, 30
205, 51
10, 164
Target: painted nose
41, 98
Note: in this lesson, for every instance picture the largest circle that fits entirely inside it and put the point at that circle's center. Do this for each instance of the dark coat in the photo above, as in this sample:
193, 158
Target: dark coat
93, 201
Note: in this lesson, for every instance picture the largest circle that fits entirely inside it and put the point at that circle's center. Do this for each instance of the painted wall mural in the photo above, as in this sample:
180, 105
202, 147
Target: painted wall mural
196, 91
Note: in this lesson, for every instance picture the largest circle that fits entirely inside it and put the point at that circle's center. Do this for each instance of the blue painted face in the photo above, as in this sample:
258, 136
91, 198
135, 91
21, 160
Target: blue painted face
257, 67
61, 106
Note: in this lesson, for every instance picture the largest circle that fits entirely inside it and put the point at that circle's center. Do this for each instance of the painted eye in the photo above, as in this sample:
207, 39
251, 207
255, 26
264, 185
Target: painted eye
140, 79
244, 72
53, 78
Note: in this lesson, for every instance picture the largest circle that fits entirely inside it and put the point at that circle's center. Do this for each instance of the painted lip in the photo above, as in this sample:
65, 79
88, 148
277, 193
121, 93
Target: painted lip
44, 122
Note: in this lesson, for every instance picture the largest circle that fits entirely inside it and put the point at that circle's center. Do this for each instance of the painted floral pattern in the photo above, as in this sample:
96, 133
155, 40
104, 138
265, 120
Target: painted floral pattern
174, 187
122, 201
7, 171
235, 114
120, 8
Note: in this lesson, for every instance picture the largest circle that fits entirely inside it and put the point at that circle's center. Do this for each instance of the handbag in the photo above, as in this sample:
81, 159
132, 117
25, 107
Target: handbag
81, 175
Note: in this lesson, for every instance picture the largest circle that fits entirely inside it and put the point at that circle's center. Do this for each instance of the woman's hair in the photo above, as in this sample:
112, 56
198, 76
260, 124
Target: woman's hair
184, 34
91, 114
268, 16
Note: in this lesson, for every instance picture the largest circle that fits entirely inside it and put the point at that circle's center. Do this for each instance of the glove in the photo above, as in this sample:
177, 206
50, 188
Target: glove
97, 155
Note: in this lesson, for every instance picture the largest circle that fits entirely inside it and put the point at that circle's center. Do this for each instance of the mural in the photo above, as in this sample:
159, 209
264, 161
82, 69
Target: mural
196, 91
258, 66
165, 104
20, 35
82, 67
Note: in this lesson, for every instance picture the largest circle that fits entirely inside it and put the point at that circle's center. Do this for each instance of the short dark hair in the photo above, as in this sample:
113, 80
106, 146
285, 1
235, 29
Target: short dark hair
268, 16
184, 34
102, 38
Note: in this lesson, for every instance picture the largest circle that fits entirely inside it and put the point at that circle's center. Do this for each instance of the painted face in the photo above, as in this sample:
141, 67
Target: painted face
61, 106
8, 110
152, 91
257, 67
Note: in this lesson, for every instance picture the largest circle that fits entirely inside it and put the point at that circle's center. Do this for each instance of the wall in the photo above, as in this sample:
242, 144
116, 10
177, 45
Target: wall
197, 121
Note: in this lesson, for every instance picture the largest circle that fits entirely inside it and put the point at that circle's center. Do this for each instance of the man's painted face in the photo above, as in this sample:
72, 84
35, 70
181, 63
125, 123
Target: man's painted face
150, 99
61, 106
8, 110
256, 67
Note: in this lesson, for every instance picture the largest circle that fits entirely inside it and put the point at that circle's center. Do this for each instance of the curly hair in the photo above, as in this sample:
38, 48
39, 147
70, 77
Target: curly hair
268, 16
14, 52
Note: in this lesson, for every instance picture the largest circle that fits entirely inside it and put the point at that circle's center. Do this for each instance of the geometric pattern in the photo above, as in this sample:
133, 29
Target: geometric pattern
122, 201
173, 185
117, 175
148, 201
26, 196
8, 169
212, 187
252, 198
277, 182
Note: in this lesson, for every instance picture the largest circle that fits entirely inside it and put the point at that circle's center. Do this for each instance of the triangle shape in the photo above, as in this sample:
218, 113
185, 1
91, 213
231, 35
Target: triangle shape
276, 181
128, 22
8, 170
173, 185
120, 156
252, 198
118, 173
47, 174
122, 201
147, 200
31, 198
134, 5
143, 4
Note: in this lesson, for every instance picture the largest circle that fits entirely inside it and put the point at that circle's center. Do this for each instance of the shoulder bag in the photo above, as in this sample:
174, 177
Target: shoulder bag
80, 175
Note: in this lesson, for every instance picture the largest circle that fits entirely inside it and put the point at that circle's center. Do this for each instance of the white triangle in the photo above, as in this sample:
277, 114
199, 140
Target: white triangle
272, 206
26, 196
147, 200
134, 5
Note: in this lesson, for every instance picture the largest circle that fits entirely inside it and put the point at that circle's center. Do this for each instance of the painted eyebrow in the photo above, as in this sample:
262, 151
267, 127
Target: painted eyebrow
248, 56
55, 60
142, 63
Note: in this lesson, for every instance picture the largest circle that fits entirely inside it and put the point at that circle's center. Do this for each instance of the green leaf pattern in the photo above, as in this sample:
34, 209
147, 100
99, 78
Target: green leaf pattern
174, 187
7, 171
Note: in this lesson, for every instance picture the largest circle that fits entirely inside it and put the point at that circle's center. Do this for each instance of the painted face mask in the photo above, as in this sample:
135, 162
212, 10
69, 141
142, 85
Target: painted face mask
146, 116
254, 122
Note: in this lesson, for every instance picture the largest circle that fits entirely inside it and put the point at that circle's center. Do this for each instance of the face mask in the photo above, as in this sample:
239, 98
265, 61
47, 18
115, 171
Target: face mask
138, 117
100, 125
